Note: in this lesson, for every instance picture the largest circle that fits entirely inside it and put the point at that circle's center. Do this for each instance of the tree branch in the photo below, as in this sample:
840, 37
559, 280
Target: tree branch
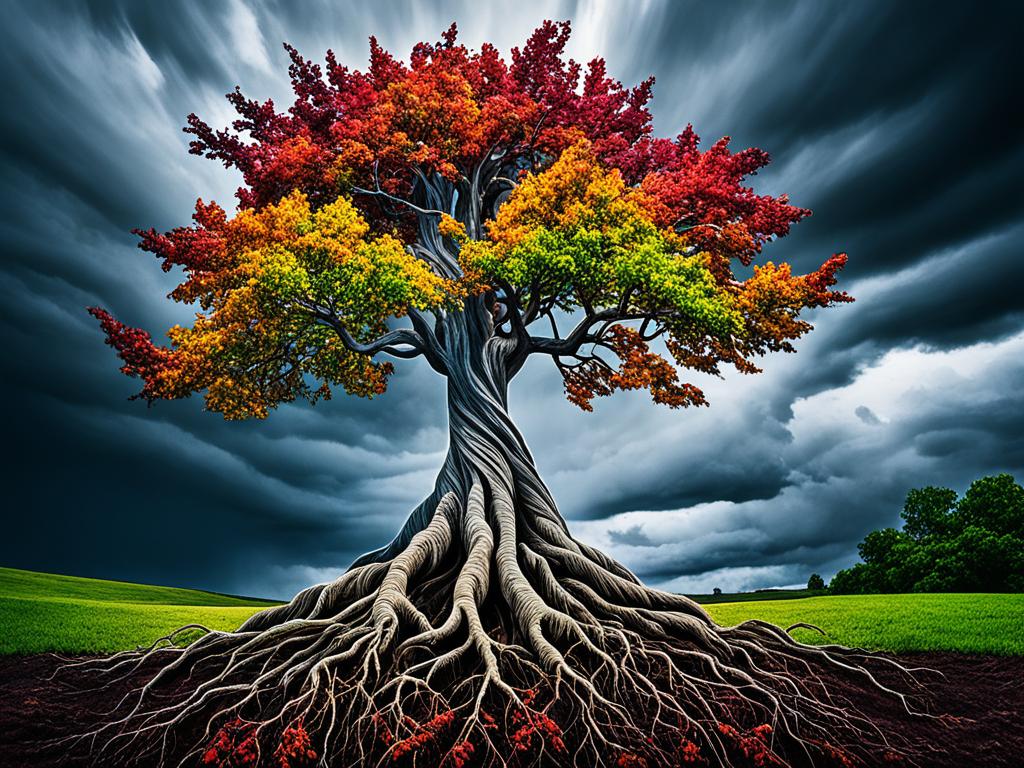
386, 343
378, 192
582, 335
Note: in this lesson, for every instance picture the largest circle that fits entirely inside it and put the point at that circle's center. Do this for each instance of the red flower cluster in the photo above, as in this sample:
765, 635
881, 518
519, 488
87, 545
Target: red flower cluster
295, 749
423, 735
753, 744
384, 734
689, 753
460, 754
630, 760
234, 746
533, 724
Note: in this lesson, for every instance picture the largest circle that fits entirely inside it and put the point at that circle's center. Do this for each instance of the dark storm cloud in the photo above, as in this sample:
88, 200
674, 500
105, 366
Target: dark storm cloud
866, 415
891, 120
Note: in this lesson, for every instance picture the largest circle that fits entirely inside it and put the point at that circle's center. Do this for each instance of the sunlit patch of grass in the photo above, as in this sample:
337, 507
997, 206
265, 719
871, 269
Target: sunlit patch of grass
967, 623
66, 614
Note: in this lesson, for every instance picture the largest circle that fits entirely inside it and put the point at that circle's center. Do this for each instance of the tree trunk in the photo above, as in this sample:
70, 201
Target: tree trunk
484, 444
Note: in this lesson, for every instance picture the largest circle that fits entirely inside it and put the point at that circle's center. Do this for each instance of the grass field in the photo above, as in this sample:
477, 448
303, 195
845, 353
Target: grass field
44, 612
68, 614
983, 623
761, 594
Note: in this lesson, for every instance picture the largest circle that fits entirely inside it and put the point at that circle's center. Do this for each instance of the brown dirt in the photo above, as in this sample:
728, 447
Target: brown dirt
982, 696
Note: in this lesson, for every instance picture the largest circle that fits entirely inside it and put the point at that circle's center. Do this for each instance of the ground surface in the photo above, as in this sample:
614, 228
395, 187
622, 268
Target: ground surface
983, 692
44, 612
87, 616
760, 594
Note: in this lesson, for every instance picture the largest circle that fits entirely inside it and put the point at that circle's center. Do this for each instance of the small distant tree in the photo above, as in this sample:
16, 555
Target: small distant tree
815, 582
716, 591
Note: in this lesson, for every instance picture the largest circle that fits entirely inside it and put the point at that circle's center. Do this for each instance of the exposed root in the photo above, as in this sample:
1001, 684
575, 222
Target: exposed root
491, 638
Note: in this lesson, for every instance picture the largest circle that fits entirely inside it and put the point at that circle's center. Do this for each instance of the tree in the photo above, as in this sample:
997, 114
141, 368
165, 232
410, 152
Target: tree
815, 582
716, 591
462, 209
994, 503
971, 544
928, 512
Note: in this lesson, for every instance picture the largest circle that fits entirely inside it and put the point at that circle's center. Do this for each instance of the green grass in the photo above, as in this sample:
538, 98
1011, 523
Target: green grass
761, 594
984, 623
67, 614
43, 612
33, 585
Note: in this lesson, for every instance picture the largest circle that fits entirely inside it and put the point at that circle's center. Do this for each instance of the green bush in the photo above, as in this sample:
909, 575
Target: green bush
971, 544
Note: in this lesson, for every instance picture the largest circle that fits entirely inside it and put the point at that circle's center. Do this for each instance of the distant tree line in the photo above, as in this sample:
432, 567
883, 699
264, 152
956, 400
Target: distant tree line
974, 543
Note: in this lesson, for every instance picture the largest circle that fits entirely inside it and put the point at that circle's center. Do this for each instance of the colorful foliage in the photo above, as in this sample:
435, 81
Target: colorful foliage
538, 179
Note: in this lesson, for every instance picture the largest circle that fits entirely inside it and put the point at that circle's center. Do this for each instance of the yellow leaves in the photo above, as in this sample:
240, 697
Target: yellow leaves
449, 227
258, 335
577, 232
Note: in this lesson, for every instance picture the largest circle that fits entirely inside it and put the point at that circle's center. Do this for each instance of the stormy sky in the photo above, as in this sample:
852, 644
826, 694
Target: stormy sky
899, 124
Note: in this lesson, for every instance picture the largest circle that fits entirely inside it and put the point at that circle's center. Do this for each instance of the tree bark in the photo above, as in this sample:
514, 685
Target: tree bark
484, 444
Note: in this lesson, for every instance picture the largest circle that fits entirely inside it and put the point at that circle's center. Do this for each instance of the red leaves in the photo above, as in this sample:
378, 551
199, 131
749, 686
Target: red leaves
194, 248
702, 195
442, 111
142, 358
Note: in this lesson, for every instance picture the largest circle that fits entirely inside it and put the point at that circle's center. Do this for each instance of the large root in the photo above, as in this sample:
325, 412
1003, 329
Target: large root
492, 638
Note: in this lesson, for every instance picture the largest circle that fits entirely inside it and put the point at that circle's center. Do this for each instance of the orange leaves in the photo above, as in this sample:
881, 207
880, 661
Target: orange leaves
772, 299
770, 303
639, 369
575, 190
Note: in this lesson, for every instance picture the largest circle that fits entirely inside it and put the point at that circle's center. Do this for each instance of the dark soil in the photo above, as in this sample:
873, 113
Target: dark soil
983, 697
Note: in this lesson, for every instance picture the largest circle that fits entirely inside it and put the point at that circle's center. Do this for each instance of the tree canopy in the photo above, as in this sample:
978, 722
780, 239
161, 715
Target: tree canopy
407, 188
974, 543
